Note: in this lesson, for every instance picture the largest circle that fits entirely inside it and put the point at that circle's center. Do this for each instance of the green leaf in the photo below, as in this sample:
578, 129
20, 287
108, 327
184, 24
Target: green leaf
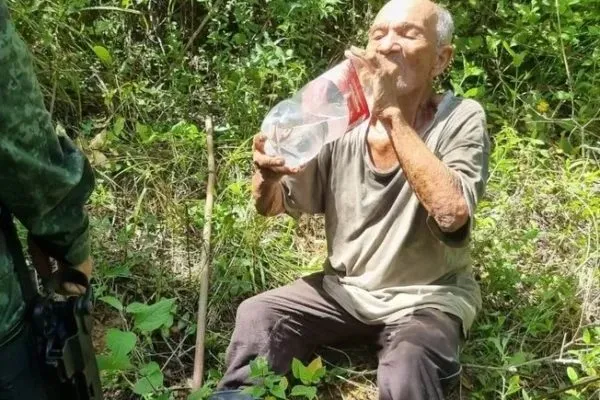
278, 392
283, 383
136, 307
308, 392
272, 381
259, 367
112, 301
113, 362
103, 54
587, 336
514, 385
572, 374
518, 59
316, 364
201, 393
151, 380
119, 342
297, 366
150, 318
256, 392
118, 126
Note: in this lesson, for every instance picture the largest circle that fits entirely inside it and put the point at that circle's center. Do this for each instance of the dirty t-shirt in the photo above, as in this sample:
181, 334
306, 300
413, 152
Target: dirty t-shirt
386, 256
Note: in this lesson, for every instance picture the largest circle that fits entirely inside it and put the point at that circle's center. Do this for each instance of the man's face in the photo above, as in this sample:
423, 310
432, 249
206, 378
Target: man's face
405, 32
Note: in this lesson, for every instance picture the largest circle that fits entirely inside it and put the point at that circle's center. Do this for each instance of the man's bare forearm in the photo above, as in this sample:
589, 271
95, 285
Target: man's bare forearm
268, 195
437, 187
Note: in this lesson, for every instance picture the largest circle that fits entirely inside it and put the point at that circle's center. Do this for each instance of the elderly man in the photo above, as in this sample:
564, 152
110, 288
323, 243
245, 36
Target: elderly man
398, 194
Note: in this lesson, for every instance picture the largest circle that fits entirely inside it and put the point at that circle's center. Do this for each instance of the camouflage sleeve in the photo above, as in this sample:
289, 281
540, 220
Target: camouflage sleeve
45, 180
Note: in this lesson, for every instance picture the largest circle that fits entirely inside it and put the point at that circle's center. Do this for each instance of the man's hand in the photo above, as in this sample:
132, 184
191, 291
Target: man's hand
272, 169
266, 190
46, 269
380, 75
72, 289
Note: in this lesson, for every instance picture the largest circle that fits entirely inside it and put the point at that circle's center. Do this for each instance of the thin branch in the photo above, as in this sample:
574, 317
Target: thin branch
201, 26
205, 263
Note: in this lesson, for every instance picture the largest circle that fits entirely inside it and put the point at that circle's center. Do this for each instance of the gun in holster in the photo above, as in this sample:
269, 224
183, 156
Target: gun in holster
62, 328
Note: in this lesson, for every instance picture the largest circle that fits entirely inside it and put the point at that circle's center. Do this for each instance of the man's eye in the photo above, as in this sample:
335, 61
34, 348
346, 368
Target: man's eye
377, 36
412, 35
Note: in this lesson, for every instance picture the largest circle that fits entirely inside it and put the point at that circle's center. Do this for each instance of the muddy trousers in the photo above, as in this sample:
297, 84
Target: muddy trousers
418, 355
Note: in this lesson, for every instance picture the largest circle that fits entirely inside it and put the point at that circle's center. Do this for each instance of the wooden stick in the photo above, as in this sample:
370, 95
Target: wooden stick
205, 262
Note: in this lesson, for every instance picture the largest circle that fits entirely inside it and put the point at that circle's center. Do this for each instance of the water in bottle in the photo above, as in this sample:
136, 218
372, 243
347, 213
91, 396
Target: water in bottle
321, 112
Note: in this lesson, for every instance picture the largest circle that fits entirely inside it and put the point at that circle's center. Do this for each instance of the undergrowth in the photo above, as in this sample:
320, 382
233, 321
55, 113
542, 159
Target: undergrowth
132, 80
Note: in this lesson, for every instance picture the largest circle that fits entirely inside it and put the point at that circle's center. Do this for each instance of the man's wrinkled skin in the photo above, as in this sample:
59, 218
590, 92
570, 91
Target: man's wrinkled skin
399, 64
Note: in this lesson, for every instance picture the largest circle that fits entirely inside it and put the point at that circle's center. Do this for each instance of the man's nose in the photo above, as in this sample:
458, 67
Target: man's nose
389, 44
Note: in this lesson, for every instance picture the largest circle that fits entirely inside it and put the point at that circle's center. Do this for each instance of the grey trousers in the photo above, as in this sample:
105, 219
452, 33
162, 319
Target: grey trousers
418, 355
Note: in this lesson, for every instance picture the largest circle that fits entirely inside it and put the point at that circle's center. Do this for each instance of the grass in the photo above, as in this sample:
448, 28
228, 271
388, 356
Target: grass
135, 105
536, 256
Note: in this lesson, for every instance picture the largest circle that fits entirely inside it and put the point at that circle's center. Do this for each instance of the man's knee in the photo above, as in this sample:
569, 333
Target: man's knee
255, 314
412, 371
404, 360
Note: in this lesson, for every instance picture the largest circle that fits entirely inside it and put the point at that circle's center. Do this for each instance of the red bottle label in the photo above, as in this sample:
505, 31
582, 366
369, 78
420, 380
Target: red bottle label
345, 78
358, 109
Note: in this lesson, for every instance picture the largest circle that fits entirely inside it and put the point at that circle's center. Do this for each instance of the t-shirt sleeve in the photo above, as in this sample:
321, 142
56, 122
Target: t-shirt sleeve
464, 148
304, 192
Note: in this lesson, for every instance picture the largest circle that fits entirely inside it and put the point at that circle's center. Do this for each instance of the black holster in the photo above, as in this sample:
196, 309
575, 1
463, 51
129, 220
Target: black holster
62, 328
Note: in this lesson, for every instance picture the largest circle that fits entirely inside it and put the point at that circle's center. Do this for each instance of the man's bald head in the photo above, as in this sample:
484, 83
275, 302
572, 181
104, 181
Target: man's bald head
431, 14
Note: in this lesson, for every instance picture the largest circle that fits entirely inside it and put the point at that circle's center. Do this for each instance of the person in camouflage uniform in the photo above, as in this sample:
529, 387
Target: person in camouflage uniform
45, 181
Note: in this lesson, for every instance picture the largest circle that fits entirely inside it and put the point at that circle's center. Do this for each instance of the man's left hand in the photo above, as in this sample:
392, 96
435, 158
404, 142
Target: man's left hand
43, 264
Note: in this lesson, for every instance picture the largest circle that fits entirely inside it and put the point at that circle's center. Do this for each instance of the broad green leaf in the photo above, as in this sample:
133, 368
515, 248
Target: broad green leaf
151, 379
103, 54
315, 365
272, 381
471, 93
259, 367
150, 318
308, 392
256, 392
284, 383
587, 336
278, 392
112, 301
572, 374
296, 368
518, 59
119, 342
136, 308
514, 385
113, 362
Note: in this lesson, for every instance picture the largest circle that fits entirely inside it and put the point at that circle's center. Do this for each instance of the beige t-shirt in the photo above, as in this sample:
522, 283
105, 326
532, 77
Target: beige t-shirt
386, 256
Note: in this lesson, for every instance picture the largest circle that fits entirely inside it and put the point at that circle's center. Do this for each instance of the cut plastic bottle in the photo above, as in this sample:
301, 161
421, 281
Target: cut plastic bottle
322, 111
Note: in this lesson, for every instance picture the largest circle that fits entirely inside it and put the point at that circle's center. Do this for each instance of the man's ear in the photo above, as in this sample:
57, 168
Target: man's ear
444, 57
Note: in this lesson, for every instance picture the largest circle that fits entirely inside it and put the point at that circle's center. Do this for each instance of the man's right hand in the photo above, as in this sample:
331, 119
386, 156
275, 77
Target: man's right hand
266, 190
272, 169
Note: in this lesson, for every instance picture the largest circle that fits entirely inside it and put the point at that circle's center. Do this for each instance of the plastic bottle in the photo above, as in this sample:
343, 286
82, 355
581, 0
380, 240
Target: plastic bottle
321, 112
